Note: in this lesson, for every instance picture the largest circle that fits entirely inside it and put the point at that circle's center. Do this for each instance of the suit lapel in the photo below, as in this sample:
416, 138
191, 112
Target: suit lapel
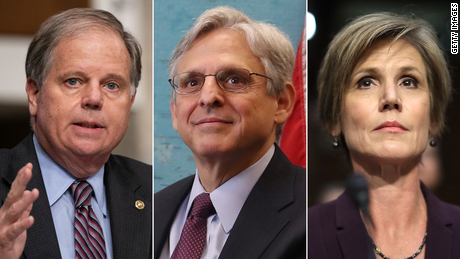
167, 203
259, 221
351, 231
439, 237
130, 226
41, 237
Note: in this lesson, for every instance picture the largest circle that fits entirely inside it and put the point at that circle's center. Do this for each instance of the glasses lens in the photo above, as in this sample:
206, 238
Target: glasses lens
234, 79
188, 82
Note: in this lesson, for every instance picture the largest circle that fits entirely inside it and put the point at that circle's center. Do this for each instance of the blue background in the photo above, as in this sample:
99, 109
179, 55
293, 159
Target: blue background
173, 160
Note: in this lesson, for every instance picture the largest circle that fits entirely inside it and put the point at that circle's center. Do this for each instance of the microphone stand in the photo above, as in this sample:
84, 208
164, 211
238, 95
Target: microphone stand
359, 191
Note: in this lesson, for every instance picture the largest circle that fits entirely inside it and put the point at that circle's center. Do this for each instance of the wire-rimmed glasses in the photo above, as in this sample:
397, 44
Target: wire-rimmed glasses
230, 79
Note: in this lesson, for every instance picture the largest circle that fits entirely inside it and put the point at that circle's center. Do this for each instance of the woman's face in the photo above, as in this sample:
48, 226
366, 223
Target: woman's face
386, 107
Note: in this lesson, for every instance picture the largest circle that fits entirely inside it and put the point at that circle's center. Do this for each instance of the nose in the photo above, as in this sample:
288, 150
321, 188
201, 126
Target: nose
390, 99
92, 97
211, 94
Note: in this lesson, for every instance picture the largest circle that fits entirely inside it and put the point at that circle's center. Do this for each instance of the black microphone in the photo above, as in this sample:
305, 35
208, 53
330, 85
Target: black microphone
359, 191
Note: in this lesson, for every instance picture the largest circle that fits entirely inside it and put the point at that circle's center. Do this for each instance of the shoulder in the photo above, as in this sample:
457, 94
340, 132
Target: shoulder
452, 211
323, 229
181, 186
133, 166
4, 156
440, 209
126, 171
281, 169
4, 187
320, 216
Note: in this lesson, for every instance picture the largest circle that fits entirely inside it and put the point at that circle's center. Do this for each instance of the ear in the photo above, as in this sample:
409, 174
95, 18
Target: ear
285, 101
433, 130
173, 113
335, 130
32, 95
133, 97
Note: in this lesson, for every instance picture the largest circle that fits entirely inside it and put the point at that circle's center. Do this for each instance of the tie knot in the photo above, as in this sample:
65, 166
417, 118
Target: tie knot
81, 193
202, 206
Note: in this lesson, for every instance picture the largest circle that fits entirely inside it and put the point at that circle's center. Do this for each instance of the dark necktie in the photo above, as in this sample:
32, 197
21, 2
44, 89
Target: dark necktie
89, 239
193, 236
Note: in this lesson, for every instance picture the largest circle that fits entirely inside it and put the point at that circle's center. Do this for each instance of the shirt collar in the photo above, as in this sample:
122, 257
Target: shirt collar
228, 199
57, 179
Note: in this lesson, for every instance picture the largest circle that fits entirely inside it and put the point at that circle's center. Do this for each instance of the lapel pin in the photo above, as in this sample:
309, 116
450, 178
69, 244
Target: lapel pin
139, 204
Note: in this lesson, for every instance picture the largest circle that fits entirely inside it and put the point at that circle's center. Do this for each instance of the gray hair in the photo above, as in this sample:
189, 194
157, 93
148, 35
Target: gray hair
351, 43
267, 42
69, 23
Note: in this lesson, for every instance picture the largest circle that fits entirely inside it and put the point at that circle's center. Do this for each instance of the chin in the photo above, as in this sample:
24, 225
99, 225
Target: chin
89, 148
396, 156
210, 150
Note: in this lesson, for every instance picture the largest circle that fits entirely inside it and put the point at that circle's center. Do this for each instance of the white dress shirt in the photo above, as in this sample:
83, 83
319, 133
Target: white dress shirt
57, 182
227, 199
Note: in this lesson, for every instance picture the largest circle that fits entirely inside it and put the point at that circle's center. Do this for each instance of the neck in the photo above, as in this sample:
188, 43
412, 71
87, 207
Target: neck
396, 205
215, 171
81, 167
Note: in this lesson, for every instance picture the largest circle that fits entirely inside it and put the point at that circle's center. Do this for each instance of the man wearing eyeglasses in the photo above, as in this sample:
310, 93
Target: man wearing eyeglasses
231, 95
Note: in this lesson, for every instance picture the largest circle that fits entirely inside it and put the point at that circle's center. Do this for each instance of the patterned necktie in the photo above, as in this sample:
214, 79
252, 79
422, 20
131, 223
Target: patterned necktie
193, 236
89, 239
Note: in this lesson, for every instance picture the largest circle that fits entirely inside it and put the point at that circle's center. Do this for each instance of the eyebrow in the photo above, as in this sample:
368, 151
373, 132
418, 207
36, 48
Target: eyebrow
69, 74
112, 76
401, 70
117, 77
409, 69
370, 70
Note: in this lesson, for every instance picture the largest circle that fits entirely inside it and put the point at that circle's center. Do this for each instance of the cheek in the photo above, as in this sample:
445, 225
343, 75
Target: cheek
422, 116
122, 113
354, 115
46, 110
183, 112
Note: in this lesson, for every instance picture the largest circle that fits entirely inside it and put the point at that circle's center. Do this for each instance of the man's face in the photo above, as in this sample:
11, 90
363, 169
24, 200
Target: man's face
82, 109
218, 123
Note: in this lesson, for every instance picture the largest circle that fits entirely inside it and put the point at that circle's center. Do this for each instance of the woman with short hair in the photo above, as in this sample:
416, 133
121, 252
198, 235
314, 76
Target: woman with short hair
384, 86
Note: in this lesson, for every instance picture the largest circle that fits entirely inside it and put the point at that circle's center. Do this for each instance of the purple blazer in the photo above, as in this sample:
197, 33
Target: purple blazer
335, 229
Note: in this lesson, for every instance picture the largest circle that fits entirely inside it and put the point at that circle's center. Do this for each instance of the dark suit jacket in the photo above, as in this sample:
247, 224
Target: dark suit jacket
335, 229
125, 180
271, 223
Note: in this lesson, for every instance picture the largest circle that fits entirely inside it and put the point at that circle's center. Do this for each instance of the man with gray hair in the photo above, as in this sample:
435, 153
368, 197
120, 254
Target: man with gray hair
63, 194
232, 93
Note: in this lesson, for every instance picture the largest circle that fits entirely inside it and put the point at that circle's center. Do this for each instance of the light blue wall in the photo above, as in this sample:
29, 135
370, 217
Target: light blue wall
173, 160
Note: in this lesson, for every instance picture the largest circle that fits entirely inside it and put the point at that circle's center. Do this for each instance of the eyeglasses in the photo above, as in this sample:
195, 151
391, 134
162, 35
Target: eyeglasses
231, 79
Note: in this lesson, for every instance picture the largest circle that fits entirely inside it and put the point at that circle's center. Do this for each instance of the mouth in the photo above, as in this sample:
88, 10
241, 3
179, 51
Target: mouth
212, 120
88, 125
391, 126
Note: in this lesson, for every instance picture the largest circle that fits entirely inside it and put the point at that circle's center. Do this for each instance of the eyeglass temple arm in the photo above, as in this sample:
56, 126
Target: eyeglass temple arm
257, 74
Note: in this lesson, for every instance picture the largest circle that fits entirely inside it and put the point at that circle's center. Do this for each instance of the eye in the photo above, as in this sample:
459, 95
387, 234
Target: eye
233, 81
191, 82
409, 82
366, 82
72, 81
112, 86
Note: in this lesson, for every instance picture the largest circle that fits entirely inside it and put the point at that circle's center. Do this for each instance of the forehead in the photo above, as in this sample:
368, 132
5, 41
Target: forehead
92, 49
383, 51
219, 49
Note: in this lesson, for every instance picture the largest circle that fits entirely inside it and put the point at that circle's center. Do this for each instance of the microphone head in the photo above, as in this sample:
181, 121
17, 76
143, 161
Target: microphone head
357, 185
